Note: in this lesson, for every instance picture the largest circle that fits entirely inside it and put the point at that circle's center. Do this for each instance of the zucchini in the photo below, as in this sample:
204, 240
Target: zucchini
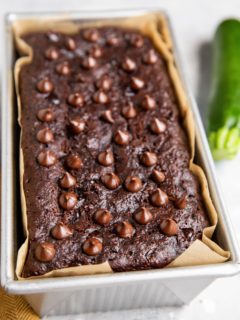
224, 102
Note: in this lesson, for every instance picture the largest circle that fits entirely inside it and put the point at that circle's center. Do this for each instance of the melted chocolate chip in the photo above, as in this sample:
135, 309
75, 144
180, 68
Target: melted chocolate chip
91, 35
89, 62
103, 217
45, 115
159, 198
113, 41
76, 100
136, 40
61, 231
63, 68
74, 162
104, 83
68, 181
45, 136
137, 83
45, 86
122, 137
157, 126
106, 158
100, 97
70, 44
169, 227
96, 51
107, 116
143, 216
148, 103
129, 111
76, 125
150, 57
92, 247
52, 53
124, 229
181, 203
45, 252
149, 159
128, 64
133, 184
158, 176
47, 158
68, 200
111, 180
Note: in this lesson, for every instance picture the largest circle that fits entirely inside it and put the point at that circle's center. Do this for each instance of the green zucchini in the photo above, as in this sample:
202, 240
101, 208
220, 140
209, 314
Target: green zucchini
224, 102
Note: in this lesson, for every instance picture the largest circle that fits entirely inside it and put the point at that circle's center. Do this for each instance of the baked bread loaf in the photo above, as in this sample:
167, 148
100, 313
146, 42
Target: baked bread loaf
106, 160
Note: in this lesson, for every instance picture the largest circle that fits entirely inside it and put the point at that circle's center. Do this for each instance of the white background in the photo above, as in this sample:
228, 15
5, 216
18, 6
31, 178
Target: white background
194, 23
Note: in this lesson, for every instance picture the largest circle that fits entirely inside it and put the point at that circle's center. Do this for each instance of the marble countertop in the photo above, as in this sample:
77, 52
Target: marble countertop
194, 23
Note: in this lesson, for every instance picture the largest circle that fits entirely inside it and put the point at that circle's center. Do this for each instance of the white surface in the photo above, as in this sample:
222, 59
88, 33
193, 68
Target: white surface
194, 23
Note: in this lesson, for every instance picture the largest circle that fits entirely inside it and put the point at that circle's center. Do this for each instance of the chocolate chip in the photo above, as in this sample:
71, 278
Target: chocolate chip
68, 181
181, 203
137, 83
149, 159
107, 116
104, 83
148, 103
128, 64
61, 231
150, 57
45, 115
52, 53
52, 36
76, 100
159, 198
76, 125
122, 137
133, 184
47, 158
169, 227
91, 35
157, 126
100, 97
143, 216
103, 217
113, 41
45, 135
111, 180
124, 229
68, 200
136, 40
70, 44
96, 51
106, 158
45, 86
63, 68
89, 62
158, 176
45, 252
129, 111
74, 162
92, 247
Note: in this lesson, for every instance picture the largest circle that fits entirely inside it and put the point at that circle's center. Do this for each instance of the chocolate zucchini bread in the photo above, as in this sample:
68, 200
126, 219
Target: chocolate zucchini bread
106, 160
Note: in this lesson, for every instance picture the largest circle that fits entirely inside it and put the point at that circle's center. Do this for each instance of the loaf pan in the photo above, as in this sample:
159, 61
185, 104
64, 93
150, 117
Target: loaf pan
94, 293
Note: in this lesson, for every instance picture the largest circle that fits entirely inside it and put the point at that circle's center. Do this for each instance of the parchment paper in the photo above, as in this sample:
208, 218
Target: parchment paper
155, 26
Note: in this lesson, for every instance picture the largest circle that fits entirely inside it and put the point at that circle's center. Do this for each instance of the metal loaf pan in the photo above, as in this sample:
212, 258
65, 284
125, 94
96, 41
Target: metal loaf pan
81, 294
